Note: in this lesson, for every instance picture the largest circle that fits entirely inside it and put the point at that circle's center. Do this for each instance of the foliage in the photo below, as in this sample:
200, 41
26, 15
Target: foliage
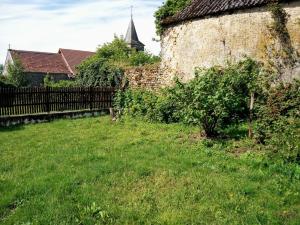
169, 8
283, 144
1, 69
4, 82
93, 171
281, 53
16, 74
155, 107
49, 82
97, 71
106, 68
142, 58
216, 97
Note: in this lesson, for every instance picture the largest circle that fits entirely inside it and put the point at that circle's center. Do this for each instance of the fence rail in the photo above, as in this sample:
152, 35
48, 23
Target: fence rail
24, 101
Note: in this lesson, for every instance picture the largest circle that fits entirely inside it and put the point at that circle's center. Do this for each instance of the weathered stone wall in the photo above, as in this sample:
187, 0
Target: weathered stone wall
144, 77
215, 40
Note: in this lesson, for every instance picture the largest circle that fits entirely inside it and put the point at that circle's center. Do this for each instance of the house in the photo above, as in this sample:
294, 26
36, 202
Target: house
60, 66
211, 32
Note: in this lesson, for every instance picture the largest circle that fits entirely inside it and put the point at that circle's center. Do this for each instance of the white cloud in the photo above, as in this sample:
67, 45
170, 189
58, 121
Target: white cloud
40, 25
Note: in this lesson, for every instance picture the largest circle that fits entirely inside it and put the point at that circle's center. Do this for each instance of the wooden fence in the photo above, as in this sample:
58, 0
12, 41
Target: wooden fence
29, 101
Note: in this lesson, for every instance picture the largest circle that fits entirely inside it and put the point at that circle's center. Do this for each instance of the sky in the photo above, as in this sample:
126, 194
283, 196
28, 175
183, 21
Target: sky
47, 25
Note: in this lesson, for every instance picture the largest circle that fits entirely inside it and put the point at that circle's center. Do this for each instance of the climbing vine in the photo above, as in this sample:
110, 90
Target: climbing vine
282, 55
169, 8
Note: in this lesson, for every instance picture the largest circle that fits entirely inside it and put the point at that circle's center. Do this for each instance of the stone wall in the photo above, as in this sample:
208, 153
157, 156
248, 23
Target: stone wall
215, 40
144, 77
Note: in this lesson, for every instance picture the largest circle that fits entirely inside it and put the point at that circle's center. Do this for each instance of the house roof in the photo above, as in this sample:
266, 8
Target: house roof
40, 62
202, 8
74, 57
63, 62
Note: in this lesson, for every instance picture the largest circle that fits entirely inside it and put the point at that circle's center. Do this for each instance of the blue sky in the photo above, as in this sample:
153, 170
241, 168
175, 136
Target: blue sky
46, 25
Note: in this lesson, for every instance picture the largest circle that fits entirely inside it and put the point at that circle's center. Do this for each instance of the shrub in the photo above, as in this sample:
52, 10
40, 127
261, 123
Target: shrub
220, 96
142, 58
4, 83
154, 107
16, 74
169, 8
215, 98
106, 68
281, 101
284, 143
1, 69
49, 82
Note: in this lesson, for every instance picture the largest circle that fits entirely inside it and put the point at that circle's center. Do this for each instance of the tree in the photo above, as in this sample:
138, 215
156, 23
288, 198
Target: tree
220, 96
16, 74
1, 69
107, 66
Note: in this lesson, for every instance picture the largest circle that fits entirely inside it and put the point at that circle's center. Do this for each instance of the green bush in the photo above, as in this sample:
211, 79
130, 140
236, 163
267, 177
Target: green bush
281, 101
106, 68
1, 69
284, 143
4, 83
154, 107
215, 98
49, 82
219, 96
169, 8
16, 74
142, 58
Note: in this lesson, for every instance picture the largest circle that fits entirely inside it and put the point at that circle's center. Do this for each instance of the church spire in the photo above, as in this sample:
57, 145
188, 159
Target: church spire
132, 38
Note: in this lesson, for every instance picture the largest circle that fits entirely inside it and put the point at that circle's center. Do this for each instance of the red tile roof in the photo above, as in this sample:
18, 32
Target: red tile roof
74, 57
202, 8
63, 62
40, 62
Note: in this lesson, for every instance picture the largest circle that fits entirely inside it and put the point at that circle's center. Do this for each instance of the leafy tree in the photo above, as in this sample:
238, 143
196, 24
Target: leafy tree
1, 69
169, 8
142, 58
98, 71
219, 96
16, 74
106, 68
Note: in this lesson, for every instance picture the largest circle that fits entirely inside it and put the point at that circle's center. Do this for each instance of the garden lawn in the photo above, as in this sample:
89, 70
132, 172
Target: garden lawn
94, 171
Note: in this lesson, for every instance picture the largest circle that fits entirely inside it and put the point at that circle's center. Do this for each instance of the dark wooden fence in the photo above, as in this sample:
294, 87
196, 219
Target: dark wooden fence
24, 101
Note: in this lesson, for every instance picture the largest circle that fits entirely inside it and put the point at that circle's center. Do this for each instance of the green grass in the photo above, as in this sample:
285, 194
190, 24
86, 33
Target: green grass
93, 171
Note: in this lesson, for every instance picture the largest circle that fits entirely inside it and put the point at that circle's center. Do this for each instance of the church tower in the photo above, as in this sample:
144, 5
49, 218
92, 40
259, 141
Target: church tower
132, 38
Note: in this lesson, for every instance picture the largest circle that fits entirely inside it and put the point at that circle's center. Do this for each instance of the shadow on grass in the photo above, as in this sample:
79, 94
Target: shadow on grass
12, 128
235, 132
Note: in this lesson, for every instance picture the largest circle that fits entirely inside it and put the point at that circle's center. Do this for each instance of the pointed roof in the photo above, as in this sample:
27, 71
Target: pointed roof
132, 37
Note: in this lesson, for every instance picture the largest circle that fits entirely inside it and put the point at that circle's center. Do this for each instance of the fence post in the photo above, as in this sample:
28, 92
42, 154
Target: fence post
47, 100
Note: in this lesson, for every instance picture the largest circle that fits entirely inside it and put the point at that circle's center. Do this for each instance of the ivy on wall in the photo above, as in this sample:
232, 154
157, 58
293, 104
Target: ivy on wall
281, 54
169, 8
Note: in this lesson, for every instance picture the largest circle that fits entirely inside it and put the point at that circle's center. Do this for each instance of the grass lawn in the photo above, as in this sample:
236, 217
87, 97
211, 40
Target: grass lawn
93, 171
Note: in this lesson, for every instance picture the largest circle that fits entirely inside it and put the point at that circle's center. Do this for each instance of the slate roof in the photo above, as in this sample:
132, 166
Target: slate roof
131, 36
63, 62
40, 62
74, 57
202, 8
